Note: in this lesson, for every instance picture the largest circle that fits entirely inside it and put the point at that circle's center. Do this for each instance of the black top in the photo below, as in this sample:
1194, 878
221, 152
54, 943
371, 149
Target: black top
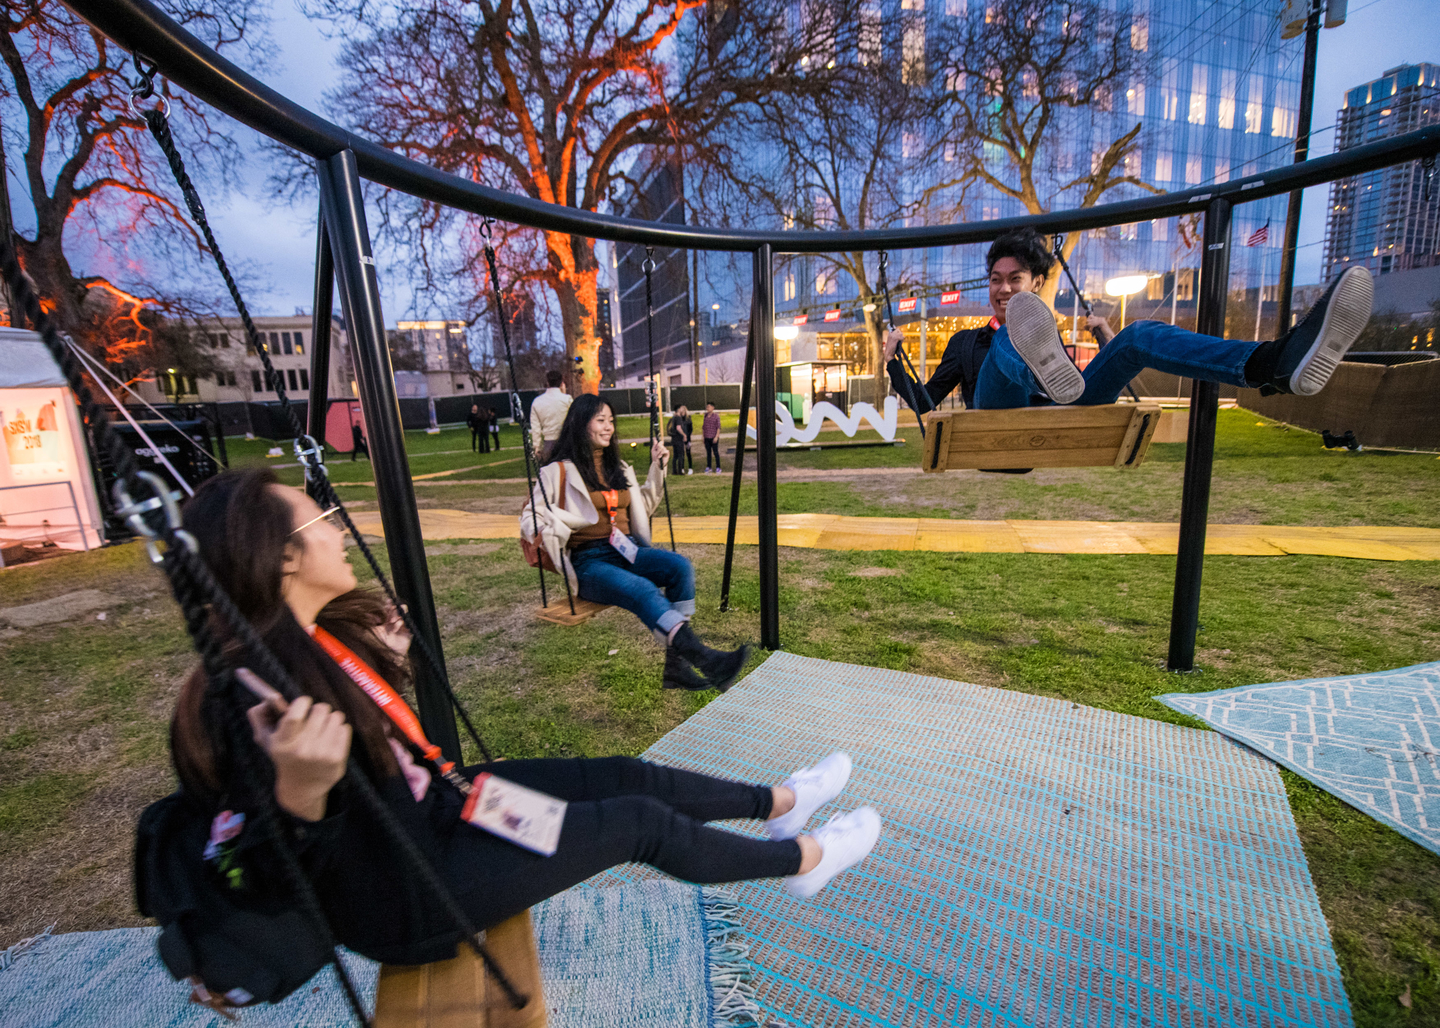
681, 429
959, 365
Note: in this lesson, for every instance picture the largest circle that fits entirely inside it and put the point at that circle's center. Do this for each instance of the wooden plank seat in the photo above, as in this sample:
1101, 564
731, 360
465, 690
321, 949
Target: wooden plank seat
458, 993
557, 611
1113, 435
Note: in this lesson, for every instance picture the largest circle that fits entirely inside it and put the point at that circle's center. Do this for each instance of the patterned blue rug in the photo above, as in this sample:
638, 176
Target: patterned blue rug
1373, 740
663, 956
1042, 864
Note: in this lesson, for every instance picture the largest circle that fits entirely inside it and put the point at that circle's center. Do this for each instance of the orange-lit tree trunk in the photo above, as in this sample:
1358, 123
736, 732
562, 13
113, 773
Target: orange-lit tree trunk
551, 98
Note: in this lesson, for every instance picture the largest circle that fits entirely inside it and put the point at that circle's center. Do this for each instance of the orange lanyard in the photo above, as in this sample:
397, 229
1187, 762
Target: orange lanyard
386, 698
612, 501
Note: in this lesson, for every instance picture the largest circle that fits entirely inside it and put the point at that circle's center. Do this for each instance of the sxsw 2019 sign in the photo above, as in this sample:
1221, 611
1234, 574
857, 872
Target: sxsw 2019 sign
786, 430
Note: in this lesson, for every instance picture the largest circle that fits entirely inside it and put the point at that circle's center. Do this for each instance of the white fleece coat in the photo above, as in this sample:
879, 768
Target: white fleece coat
574, 511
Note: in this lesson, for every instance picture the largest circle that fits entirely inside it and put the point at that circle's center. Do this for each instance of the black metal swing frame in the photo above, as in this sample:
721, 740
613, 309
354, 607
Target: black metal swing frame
343, 252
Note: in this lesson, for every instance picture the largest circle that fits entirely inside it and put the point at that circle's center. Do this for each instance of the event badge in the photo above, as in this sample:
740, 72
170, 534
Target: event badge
524, 816
624, 544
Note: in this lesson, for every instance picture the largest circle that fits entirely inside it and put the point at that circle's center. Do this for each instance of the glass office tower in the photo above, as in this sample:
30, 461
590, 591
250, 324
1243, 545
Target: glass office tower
1383, 220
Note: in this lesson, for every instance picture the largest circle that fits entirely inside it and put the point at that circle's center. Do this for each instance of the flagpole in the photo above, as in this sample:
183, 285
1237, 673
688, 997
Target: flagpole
1260, 292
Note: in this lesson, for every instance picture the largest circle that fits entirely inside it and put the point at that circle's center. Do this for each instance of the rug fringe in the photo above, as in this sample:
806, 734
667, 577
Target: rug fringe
7, 957
732, 995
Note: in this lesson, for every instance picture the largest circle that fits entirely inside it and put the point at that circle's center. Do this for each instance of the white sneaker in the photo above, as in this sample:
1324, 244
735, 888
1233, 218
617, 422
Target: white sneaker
1031, 326
845, 840
813, 787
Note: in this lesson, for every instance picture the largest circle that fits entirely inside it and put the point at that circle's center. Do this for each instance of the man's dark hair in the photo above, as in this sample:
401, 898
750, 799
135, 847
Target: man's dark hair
1027, 246
553, 379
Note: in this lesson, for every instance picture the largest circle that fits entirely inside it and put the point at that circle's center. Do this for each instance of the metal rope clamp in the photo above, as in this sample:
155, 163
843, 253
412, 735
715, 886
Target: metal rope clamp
517, 409
311, 456
164, 499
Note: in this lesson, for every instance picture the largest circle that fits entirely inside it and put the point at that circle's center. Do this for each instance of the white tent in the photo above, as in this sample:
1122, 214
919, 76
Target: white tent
47, 491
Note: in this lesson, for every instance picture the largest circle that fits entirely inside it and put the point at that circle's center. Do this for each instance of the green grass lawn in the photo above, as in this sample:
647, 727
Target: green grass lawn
84, 705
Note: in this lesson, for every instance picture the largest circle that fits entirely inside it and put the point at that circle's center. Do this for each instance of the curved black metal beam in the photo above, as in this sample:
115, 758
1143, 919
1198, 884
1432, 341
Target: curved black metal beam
140, 26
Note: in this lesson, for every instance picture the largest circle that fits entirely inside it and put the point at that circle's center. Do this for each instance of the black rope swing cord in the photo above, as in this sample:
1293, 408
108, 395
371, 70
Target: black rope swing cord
517, 411
307, 451
156, 519
653, 389
1084, 301
912, 380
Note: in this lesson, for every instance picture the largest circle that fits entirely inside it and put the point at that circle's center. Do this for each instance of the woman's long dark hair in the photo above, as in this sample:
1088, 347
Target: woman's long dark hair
574, 445
243, 527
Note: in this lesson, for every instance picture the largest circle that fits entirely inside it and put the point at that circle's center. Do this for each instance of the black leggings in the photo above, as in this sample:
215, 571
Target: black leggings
620, 809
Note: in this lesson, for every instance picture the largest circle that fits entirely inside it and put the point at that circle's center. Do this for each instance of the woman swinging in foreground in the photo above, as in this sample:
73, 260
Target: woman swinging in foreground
276, 554
1019, 360
609, 557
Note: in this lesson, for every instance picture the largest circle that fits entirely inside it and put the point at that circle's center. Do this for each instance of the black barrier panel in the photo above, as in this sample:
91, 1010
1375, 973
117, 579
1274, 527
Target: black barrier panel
194, 462
723, 396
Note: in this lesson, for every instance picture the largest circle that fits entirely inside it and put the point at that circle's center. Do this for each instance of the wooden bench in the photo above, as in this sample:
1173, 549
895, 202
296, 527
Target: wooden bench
1112, 435
458, 993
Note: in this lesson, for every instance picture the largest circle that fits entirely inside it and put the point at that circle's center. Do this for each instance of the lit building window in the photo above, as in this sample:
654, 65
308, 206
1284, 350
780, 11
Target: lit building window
1199, 99
1225, 111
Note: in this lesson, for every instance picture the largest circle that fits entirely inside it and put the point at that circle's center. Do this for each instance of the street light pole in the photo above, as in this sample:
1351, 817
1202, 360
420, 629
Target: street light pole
1302, 151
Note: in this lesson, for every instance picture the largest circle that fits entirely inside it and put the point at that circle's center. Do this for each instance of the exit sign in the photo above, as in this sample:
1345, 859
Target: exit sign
906, 306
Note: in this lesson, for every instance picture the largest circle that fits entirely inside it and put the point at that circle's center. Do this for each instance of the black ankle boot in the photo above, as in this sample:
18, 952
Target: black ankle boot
720, 667
678, 673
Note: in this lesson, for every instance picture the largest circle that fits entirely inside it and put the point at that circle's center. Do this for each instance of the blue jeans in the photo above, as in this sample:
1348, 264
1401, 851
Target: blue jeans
607, 577
1006, 381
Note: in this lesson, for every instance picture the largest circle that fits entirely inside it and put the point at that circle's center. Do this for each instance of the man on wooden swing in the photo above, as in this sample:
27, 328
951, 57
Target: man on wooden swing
1018, 359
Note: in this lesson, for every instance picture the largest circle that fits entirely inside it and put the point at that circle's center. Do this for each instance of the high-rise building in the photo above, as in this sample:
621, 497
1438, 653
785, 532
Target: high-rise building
442, 351
1383, 220
658, 198
1214, 91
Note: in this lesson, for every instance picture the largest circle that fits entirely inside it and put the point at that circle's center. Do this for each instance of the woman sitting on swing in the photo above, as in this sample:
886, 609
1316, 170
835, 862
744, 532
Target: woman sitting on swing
285, 566
608, 557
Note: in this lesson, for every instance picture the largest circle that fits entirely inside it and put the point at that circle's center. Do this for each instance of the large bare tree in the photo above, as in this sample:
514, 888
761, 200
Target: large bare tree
111, 241
841, 152
1039, 94
555, 99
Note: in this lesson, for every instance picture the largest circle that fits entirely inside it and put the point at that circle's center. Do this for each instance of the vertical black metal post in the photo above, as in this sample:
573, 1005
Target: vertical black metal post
1200, 447
343, 205
318, 408
320, 335
740, 440
1302, 151
762, 318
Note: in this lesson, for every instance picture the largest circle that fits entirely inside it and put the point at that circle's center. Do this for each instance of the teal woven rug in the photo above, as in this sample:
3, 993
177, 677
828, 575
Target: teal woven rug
662, 955
1042, 864
1373, 739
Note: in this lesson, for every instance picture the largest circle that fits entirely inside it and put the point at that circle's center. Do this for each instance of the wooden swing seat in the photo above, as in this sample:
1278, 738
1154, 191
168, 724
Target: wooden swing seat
557, 611
458, 993
1111, 435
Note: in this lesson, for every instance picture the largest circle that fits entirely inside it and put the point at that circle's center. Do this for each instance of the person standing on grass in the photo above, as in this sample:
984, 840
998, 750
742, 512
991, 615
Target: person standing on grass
1019, 360
493, 420
479, 430
595, 527
710, 435
276, 554
547, 414
357, 438
682, 429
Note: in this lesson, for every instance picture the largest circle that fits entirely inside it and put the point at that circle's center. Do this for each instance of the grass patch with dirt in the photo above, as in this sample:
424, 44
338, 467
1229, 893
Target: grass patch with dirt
84, 704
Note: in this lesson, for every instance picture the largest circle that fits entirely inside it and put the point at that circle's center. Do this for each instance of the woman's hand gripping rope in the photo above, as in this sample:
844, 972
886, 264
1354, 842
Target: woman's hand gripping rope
308, 742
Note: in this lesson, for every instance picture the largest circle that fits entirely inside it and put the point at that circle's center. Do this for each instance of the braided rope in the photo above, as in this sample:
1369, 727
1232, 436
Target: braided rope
311, 458
648, 266
199, 597
517, 411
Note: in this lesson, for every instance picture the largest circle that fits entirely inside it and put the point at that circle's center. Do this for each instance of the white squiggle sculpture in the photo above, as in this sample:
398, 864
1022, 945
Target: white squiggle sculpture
786, 430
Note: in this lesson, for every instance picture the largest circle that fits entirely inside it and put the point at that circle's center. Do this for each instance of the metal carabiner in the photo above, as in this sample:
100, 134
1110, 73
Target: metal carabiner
648, 264
311, 456
133, 512
144, 88
517, 408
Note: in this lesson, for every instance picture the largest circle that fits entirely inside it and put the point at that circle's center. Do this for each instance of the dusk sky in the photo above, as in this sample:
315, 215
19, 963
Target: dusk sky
279, 240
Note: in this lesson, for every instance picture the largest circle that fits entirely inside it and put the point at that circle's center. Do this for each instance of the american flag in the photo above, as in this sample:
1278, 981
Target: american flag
1259, 236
